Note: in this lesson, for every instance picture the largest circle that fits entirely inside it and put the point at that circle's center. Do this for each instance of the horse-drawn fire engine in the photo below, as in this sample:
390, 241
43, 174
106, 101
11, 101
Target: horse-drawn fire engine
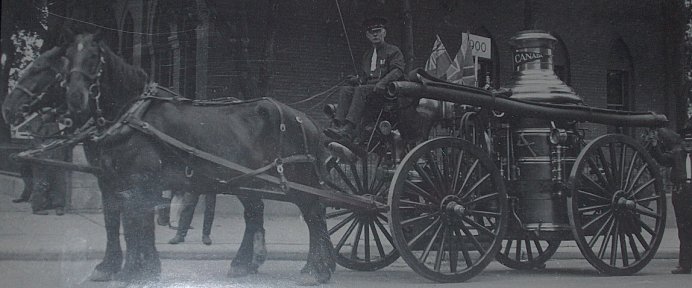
513, 177
505, 174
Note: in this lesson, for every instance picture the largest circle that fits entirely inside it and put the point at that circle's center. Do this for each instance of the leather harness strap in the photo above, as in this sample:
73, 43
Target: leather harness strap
133, 119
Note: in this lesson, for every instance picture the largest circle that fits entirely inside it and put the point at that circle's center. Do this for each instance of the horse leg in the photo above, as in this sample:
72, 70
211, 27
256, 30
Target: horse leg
320, 262
131, 229
113, 259
253, 251
150, 256
141, 258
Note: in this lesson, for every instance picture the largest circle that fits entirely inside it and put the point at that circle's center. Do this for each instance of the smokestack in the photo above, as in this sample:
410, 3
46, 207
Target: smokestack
534, 78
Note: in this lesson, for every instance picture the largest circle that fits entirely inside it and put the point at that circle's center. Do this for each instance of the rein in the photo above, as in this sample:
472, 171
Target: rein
348, 41
37, 97
95, 87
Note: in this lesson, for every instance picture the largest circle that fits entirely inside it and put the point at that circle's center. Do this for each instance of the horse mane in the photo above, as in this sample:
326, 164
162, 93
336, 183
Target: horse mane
122, 81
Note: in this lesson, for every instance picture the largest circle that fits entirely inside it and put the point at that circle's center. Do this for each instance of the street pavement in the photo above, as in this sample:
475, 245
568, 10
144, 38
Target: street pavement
563, 273
25, 236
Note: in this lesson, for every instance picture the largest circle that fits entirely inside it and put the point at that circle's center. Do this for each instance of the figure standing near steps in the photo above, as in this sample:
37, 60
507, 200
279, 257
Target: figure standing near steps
676, 152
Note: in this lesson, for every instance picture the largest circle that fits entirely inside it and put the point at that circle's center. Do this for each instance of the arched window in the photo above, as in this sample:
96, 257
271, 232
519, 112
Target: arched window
127, 44
561, 64
488, 68
163, 51
618, 81
146, 40
619, 76
188, 53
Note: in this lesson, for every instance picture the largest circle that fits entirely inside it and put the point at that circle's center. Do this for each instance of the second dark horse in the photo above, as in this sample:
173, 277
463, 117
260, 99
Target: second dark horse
253, 134
38, 88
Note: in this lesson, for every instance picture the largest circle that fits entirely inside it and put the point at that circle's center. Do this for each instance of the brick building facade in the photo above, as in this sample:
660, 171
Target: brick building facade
617, 54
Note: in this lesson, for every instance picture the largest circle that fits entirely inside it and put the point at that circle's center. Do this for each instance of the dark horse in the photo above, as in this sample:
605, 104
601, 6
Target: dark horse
37, 88
253, 134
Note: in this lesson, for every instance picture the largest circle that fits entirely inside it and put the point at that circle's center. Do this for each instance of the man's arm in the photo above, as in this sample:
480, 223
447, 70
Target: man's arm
396, 70
664, 158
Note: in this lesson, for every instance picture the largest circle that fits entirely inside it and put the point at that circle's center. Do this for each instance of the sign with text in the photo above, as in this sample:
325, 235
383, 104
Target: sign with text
521, 57
480, 46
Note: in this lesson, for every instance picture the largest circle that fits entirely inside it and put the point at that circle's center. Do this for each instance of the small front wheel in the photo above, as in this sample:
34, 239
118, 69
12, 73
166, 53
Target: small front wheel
361, 238
448, 209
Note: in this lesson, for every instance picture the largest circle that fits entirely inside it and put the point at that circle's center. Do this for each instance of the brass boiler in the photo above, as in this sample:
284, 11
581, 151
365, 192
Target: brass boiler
543, 150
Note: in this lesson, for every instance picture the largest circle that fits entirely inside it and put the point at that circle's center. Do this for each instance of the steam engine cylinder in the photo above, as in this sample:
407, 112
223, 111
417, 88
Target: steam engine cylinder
541, 163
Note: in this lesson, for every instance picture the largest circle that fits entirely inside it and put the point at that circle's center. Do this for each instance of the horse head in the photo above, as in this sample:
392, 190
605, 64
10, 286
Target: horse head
100, 83
37, 87
86, 56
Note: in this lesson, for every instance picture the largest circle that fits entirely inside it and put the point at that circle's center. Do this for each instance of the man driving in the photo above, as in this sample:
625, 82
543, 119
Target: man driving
382, 64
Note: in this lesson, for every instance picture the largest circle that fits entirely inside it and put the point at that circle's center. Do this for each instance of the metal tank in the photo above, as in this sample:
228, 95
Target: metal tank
543, 151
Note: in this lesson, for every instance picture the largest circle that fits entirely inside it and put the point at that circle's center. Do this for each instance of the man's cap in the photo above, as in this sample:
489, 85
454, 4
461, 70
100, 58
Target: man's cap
374, 23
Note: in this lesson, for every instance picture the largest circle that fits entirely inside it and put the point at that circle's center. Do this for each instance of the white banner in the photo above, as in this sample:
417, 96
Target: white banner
480, 46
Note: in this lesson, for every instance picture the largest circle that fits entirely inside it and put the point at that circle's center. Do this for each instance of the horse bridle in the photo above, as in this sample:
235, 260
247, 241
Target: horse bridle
36, 97
95, 87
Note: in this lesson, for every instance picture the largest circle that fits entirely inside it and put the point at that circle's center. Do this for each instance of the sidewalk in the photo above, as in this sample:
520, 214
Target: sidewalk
81, 236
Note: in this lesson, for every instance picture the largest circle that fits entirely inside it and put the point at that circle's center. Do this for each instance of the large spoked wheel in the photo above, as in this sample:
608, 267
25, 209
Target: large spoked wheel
362, 239
448, 209
617, 206
526, 252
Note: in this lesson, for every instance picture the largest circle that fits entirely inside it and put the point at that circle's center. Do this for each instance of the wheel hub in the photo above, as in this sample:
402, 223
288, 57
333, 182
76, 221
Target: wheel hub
620, 202
450, 205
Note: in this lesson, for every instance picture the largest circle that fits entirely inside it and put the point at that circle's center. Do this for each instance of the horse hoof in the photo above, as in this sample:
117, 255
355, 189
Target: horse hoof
238, 271
309, 279
100, 276
306, 269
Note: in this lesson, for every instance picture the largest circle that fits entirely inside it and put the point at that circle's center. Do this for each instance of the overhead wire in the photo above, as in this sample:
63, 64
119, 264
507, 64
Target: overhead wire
111, 28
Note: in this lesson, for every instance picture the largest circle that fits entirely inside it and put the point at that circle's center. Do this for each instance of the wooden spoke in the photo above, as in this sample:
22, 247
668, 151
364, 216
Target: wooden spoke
412, 188
343, 239
593, 196
341, 224
426, 177
338, 213
468, 175
464, 250
643, 186
420, 235
473, 188
482, 198
593, 208
378, 242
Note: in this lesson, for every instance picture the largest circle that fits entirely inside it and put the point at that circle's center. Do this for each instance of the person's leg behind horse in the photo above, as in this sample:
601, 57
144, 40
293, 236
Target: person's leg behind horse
58, 190
25, 172
209, 211
682, 205
252, 251
190, 199
175, 208
163, 210
40, 201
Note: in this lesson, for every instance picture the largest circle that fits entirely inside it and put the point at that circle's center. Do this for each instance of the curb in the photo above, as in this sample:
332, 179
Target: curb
219, 255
